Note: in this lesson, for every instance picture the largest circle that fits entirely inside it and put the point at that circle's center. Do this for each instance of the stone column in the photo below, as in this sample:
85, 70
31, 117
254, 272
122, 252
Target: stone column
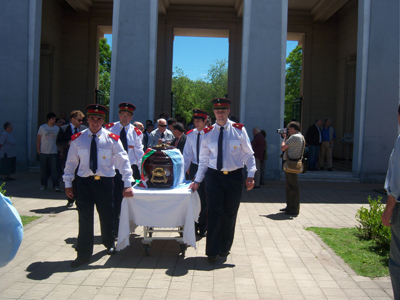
133, 67
20, 30
263, 73
377, 88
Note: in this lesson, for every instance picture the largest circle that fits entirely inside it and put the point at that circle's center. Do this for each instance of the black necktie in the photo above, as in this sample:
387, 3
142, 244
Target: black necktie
162, 135
219, 157
93, 155
198, 148
122, 136
75, 130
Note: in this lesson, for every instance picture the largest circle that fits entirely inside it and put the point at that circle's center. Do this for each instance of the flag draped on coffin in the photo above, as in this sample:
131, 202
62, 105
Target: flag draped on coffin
11, 231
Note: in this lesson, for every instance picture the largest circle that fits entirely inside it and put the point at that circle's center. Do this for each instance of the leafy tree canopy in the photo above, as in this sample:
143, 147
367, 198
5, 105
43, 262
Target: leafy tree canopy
198, 93
105, 70
293, 80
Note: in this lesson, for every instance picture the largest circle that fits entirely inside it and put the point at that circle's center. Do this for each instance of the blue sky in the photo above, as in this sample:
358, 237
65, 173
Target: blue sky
194, 55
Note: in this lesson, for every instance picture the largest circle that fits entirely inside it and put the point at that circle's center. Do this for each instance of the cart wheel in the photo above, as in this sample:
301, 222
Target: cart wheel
181, 233
182, 249
146, 248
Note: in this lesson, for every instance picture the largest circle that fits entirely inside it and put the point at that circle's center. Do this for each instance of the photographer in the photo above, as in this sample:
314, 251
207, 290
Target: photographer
293, 146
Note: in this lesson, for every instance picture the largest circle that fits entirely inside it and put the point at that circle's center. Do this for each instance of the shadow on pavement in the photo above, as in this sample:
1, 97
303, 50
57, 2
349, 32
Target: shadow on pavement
52, 210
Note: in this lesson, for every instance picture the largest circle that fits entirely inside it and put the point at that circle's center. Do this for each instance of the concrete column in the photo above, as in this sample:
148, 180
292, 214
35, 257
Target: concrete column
377, 88
20, 30
263, 73
133, 68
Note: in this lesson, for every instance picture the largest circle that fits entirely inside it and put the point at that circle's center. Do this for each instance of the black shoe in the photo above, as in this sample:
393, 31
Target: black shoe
79, 261
111, 250
330, 169
202, 233
212, 257
224, 254
70, 203
291, 213
284, 209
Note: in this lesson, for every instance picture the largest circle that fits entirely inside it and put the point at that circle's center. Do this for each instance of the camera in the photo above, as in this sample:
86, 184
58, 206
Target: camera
281, 130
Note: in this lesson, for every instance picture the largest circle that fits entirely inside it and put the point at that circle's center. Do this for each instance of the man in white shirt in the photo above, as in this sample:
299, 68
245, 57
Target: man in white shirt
224, 150
191, 155
131, 138
97, 153
47, 150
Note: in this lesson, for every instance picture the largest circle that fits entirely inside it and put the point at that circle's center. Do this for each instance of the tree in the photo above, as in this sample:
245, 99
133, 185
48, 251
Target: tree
199, 93
293, 80
105, 70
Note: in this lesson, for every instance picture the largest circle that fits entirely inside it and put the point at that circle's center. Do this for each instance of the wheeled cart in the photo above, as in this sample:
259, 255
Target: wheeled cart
160, 211
148, 238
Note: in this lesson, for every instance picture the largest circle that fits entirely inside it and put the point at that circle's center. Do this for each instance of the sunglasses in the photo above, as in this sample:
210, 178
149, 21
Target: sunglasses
162, 125
79, 120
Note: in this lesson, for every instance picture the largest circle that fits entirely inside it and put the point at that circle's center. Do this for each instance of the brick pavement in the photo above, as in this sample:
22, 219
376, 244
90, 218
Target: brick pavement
272, 257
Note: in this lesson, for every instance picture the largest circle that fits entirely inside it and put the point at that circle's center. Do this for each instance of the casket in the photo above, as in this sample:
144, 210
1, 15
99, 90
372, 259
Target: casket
159, 168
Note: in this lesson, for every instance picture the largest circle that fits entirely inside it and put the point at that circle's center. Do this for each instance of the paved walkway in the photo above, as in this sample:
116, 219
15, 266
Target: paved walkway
272, 257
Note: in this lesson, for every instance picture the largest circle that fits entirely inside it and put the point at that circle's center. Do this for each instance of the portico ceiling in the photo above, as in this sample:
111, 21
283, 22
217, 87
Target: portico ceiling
319, 10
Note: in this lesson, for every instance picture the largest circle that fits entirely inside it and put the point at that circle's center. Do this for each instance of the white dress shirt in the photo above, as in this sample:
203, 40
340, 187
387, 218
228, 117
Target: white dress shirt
190, 149
110, 155
135, 146
392, 182
236, 147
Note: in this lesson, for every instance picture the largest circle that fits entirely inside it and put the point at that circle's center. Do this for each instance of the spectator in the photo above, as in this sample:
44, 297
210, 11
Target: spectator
390, 216
328, 140
258, 144
47, 150
8, 153
64, 117
180, 137
160, 135
293, 147
170, 122
313, 140
262, 175
64, 141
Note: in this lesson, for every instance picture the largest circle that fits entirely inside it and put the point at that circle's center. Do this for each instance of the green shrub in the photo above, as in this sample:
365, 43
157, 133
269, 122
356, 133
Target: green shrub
371, 226
1, 188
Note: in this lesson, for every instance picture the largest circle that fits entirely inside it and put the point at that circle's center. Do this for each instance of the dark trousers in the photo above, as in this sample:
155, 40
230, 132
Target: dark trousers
223, 199
292, 192
313, 152
394, 256
94, 192
136, 173
46, 160
202, 224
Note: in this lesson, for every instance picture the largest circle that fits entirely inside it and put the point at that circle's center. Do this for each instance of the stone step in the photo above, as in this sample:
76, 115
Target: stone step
326, 176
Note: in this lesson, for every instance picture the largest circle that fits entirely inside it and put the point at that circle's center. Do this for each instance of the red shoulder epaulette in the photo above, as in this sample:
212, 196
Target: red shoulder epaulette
138, 132
189, 131
76, 135
238, 125
114, 136
109, 125
208, 129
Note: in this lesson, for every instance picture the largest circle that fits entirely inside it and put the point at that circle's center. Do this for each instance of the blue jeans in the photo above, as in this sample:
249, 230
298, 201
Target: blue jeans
46, 160
313, 152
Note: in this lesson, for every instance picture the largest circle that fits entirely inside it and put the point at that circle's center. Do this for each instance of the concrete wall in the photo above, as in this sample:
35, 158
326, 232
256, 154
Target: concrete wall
19, 72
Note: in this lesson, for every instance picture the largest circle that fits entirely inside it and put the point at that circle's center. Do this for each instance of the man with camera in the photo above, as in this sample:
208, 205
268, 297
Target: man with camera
293, 147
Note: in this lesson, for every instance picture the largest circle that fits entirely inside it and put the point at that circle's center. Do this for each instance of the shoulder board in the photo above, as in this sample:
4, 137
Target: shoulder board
189, 131
114, 136
238, 125
76, 135
109, 125
138, 132
208, 129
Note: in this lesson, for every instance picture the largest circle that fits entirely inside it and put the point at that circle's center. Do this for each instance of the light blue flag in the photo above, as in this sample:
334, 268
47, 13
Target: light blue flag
11, 231
178, 167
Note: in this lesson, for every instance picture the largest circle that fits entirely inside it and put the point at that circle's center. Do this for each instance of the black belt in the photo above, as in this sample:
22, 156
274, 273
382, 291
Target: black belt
226, 172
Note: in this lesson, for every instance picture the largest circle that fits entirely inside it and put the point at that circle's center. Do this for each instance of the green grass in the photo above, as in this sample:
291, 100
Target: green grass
27, 219
360, 254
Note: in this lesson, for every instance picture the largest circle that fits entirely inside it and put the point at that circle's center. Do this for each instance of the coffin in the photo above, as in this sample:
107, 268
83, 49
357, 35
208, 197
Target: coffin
159, 168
